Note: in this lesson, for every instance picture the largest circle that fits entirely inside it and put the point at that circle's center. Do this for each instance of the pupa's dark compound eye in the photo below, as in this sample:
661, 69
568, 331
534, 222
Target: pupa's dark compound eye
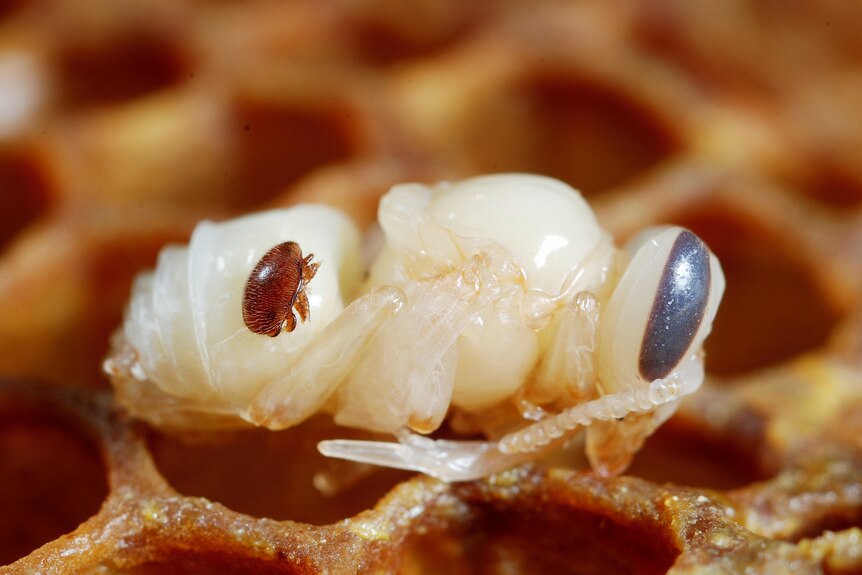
678, 307
275, 287
662, 308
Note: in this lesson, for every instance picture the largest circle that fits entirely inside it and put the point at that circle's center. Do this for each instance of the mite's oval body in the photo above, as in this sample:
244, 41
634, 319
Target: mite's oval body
275, 286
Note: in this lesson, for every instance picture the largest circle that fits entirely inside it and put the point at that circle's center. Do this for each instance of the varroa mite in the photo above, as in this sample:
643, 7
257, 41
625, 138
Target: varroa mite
276, 287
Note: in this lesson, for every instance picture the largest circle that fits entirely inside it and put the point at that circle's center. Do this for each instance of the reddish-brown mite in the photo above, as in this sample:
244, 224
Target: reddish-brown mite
275, 287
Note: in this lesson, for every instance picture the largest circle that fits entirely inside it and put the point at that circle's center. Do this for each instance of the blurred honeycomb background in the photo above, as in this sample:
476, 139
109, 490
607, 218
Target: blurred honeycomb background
124, 122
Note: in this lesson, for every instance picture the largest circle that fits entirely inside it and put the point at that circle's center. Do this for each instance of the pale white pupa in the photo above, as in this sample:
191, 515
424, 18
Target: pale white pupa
499, 290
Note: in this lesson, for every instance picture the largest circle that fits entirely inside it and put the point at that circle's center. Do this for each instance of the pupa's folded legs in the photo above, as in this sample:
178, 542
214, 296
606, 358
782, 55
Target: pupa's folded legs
567, 370
610, 407
465, 460
309, 381
568, 364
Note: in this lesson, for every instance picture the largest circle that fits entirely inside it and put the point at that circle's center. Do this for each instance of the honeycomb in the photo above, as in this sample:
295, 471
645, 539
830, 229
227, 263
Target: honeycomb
124, 122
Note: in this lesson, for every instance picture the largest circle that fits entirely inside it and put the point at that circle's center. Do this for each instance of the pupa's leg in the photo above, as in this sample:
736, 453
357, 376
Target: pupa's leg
570, 360
567, 370
338, 476
407, 376
445, 460
318, 370
465, 460
611, 445
613, 406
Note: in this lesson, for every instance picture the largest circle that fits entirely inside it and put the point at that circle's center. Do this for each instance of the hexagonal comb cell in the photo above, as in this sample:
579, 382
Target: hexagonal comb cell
271, 474
384, 32
544, 540
278, 140
162, 113
27, 191
772, 296
188, 562
51, 473
117, 70
683, 453
585, 134
9, 7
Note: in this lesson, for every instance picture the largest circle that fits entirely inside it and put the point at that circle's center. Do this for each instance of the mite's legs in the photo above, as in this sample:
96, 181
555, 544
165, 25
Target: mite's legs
308, 268
301, 306
289, 321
